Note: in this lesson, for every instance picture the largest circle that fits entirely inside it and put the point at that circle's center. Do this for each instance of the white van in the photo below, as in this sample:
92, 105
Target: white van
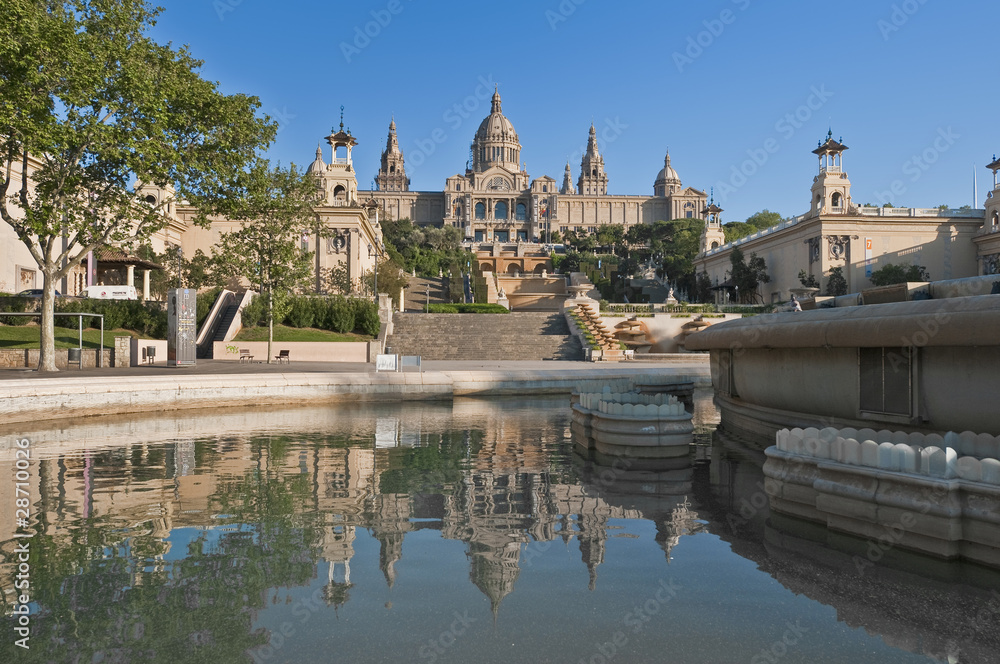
110, 292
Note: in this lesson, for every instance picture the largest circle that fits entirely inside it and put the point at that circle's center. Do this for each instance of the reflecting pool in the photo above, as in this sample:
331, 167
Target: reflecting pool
472, 531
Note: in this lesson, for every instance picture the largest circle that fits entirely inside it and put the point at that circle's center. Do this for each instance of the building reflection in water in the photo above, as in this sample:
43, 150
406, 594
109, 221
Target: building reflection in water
212, 525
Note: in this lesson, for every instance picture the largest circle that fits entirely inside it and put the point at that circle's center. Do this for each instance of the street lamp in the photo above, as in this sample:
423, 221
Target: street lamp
376, 270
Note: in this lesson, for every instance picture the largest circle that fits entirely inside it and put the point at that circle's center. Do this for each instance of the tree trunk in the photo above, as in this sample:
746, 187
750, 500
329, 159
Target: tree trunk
47, 342
270, 326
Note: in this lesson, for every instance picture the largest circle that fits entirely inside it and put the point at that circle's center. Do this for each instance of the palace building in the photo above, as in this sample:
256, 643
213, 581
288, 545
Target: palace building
496, 200
859, 239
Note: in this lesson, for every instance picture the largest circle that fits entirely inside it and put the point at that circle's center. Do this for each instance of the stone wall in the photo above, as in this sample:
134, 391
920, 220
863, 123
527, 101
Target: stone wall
27, 358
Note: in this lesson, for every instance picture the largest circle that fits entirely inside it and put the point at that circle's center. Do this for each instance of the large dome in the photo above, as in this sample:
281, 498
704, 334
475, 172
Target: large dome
496, 126
496, 142
667, 172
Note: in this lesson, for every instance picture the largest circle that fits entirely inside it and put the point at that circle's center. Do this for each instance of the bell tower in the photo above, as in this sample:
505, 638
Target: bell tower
831, 190
392, 173
593, 180
712, 237
340, 181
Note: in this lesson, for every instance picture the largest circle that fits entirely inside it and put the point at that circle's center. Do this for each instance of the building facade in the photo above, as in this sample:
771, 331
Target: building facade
496, 200
859, 239
351, 237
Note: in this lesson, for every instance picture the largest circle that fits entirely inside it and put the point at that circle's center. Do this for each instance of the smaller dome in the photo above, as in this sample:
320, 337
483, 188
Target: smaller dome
318, 166
667, 172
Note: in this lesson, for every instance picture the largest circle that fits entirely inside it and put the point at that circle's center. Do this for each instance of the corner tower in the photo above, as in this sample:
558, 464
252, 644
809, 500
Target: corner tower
339, 181
831, 190
712, 237
392, 173
593, 180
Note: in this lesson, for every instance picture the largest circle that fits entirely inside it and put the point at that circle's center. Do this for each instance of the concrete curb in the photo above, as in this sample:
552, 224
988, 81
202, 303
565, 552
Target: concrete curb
27, 400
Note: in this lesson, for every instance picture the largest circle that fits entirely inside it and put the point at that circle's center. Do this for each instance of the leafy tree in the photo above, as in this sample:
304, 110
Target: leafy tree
758, 221
276, 208
703, 288
836, 285
808, 280
99, 105
747, 276
890, 274
337, 279
609, 236
391, 279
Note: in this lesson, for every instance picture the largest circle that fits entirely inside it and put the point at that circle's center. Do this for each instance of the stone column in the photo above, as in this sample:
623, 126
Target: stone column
145, 284
130, 278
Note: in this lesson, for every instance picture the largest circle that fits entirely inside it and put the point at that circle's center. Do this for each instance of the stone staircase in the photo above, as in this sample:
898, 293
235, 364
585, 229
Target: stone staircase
513, 336
416, 293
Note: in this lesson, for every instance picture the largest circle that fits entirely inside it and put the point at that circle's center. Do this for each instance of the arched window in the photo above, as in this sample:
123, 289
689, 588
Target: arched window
545, 188
521, 212
458, 210
480, 211
392, 169
836, 200
715, 245
340, 193
501, 210
996, 219
151, 199
594, 172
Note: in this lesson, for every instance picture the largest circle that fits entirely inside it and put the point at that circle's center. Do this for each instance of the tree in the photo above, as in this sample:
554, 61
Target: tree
677, 242
747, 276
276, 208
391, 279
758, 221
808, 280
890, 274
836, 285
88, 106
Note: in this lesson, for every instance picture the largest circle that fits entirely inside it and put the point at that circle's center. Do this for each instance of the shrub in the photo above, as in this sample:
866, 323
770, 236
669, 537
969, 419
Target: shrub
476, 308
302, 312
16, 304
341, 315
366, 320
254, 312
205, 301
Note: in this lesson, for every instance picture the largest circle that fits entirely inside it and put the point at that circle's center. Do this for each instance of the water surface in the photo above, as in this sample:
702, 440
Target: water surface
473, 531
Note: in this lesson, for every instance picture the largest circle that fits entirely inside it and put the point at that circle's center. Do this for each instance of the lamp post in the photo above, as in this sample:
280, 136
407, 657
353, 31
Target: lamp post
370, 254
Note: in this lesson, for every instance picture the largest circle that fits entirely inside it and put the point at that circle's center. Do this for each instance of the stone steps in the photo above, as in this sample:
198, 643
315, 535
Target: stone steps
514, 336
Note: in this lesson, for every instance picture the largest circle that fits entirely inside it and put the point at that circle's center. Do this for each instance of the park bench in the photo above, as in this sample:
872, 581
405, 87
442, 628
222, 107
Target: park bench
282, 356
245, 355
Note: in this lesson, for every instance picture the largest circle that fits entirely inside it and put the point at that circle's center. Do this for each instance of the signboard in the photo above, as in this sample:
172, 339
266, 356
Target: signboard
387, 363
868, 257
182, 311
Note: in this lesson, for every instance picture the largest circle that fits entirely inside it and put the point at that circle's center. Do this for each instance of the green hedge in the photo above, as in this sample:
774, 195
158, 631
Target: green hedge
148, 319
478, 308
335, 313
16, 304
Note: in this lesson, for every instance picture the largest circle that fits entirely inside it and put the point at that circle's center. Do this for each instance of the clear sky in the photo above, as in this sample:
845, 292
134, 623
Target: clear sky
740, 91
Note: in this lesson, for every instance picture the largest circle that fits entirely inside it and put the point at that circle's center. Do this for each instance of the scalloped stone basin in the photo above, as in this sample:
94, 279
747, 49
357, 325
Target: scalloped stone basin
642, 436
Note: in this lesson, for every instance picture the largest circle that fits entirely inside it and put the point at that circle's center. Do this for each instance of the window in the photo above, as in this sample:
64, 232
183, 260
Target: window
521, 212
480, 211
458, 186
689, 214
884, 374
545, 188
500, 212
715, 245
836, 200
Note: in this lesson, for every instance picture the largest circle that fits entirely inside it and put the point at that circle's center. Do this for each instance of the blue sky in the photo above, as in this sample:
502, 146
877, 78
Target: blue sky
740, 91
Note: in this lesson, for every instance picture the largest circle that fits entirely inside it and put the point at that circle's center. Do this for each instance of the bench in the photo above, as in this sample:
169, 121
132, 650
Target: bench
245, 355
282, 356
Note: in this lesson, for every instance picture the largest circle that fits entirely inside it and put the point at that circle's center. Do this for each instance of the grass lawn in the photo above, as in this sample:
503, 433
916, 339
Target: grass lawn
284, 333
26, 336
